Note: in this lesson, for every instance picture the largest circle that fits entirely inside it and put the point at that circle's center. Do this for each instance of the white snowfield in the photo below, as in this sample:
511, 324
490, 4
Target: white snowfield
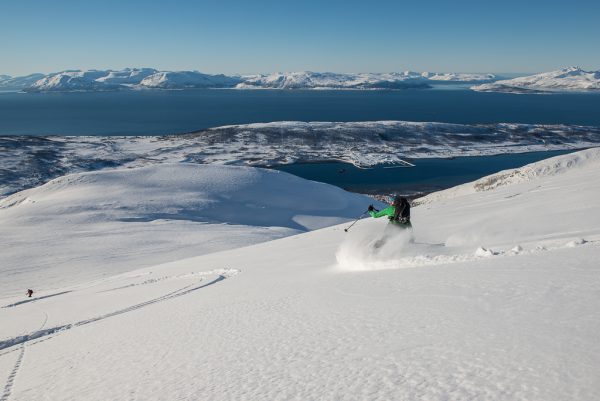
567, 79
497, 297
149, 78
83, 226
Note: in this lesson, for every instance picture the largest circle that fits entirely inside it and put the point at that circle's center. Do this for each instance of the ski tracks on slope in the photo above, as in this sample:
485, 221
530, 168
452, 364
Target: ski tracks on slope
352, 258
19, 343
222, 274
13, 374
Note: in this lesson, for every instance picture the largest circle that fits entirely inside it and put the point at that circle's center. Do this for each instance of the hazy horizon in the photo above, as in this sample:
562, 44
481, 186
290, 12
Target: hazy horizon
263, 36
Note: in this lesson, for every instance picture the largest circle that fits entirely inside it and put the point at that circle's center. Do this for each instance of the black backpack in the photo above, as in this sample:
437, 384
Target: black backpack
402, 209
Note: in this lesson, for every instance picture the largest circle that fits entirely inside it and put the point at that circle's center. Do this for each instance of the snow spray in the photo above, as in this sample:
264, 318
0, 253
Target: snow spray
372, 248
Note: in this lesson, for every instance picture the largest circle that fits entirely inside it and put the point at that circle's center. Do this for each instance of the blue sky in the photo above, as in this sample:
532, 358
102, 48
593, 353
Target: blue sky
266, 36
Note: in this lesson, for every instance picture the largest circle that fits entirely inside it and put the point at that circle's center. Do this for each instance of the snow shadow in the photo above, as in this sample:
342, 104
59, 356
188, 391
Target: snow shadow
35, 299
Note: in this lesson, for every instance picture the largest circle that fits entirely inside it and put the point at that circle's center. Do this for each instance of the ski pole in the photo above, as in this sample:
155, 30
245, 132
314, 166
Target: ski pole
355, 221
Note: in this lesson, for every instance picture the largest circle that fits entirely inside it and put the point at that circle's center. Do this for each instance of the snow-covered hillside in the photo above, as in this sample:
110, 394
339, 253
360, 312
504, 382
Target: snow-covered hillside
459, 77
187, 79
73, 81
588, 159
146, 78
19, 83
128, 76
496, 298
567, 79
330, 80
106, 80
361, 143
108, 222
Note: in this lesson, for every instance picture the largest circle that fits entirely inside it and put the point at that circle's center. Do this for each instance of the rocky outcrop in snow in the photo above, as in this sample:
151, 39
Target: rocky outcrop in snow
567, 79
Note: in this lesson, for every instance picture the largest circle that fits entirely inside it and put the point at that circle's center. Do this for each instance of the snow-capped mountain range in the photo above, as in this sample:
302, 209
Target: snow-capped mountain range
567, 79
149, 78
363, 144
329, 80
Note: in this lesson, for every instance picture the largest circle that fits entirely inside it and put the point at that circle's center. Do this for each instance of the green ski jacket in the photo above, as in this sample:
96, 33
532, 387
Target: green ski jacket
388, 211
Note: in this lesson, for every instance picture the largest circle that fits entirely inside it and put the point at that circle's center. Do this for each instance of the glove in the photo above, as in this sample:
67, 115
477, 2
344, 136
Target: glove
371, 208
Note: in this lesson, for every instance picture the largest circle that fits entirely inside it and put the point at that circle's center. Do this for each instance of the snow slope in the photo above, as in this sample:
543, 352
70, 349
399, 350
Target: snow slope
101, 223
75, 80
588, 159
128, 76
497, 298
567, 79
18, 83
187, 79
269, 144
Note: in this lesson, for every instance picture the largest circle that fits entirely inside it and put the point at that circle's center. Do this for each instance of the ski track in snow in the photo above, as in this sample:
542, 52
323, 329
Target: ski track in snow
13, 374
366, 254
44, 334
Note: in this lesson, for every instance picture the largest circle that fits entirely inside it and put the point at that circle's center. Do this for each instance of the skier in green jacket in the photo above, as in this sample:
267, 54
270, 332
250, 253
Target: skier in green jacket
398, 212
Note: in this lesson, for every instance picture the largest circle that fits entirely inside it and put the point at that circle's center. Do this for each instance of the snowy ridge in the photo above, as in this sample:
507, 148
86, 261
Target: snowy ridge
149, 78
18, 83
329, 80
73, 81
459, 77
128, 76
363, 144
588, 159
187, 79
94, 80
567, 79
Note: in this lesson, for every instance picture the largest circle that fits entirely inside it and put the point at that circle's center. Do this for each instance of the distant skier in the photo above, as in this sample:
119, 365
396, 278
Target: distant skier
29, 293
398, 212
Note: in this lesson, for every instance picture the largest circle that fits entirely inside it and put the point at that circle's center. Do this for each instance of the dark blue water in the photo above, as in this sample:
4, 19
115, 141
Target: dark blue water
428, 175
167, 112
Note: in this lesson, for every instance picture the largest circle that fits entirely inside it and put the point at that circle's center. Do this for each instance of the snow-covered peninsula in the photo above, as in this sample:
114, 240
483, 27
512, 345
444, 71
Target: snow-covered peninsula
149, 78
145, 288
570, 79
363, 144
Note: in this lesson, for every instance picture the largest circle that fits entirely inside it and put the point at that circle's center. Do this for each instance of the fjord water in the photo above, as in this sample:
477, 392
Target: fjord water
427, 175
169, 112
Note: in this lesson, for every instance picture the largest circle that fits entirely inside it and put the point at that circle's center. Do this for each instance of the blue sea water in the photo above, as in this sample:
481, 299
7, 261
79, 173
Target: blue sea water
168, 112
427, 175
